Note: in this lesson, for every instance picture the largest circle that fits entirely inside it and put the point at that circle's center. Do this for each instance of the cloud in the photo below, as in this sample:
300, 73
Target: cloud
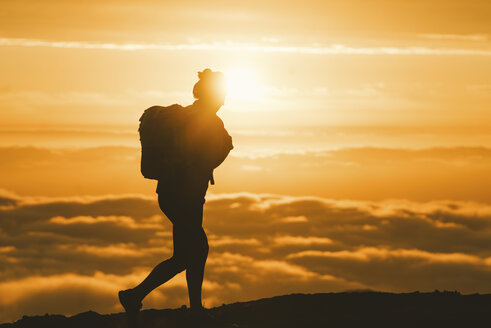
420, 270
290, 240
459, 37
309, 244
36, 294
334, 49
7, 199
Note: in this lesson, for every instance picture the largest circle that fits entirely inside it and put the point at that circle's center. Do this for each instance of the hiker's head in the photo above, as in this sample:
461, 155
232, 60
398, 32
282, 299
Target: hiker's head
210, 89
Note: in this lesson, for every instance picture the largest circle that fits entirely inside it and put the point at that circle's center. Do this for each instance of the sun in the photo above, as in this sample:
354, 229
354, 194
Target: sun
242, 84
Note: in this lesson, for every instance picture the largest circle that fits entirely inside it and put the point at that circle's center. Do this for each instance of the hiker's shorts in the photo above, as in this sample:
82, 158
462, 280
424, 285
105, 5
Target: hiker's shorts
182, 202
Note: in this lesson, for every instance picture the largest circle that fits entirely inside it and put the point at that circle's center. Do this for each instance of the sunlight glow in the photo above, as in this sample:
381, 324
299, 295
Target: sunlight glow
243, 84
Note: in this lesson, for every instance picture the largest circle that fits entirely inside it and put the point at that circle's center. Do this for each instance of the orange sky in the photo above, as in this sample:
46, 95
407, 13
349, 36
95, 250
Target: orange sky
349, 63
362, 134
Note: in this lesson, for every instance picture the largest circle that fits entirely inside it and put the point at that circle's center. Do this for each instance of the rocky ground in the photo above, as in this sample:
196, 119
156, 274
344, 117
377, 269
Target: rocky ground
349, 309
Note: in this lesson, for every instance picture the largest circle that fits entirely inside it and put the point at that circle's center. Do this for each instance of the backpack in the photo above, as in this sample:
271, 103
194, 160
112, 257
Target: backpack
162, 140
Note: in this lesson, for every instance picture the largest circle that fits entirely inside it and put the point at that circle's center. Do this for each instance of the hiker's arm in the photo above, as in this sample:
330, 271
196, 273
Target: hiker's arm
224, 148
216, 145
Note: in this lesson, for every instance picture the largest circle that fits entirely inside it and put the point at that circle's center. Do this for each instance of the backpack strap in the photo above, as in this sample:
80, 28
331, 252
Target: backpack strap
212, 179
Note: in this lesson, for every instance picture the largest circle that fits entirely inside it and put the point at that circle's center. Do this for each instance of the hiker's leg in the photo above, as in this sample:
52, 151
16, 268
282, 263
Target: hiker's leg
165, 270
198, 247
196, 266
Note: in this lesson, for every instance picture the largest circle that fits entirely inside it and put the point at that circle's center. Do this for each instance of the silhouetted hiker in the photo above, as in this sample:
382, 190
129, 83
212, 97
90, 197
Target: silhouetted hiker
182, 184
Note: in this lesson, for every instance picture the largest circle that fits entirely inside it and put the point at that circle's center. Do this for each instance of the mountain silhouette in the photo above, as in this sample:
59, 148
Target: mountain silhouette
347, 309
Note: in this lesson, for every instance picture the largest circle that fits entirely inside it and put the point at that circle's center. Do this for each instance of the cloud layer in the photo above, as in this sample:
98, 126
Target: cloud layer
66, 255
336, 49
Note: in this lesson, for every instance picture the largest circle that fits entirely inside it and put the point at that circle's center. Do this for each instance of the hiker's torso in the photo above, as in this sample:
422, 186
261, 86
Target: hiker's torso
200, 134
